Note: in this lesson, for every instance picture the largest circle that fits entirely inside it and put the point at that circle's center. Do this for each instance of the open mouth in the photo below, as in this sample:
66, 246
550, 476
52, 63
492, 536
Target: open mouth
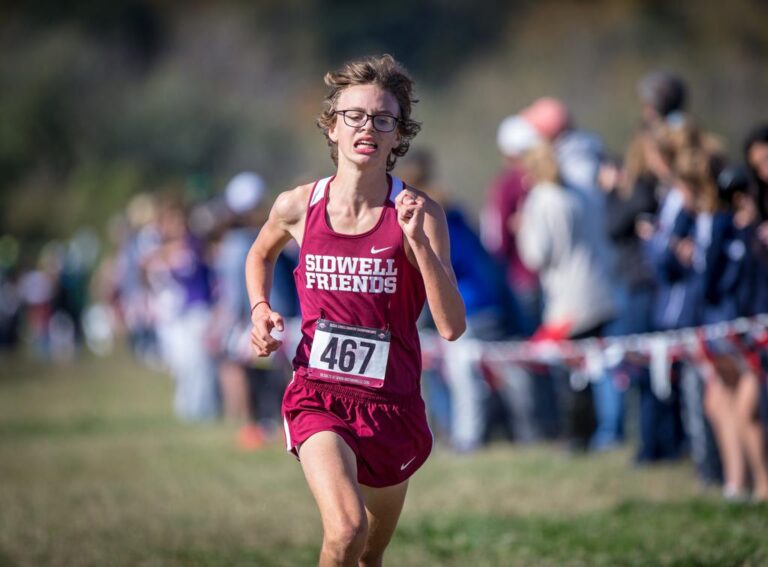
366, 144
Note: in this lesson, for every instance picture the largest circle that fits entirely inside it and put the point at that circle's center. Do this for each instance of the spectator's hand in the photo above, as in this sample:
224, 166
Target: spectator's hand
746, 213
645, 227
264, 320
684, 251
762, 233
608, 176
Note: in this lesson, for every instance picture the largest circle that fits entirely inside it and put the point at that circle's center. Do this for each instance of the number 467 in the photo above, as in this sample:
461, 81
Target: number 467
346, 356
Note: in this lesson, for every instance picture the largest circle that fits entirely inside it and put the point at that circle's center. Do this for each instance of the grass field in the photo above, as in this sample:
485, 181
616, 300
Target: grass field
95, 471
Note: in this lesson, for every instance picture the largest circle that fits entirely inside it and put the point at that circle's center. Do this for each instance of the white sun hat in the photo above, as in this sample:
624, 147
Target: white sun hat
244, 192
516, 135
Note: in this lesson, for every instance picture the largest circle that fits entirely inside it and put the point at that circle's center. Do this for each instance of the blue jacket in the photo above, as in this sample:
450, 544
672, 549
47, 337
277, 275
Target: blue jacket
481, 280
713, 288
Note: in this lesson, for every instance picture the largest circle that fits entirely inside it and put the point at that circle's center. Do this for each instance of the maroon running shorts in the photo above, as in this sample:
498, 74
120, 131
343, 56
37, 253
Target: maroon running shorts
390, 439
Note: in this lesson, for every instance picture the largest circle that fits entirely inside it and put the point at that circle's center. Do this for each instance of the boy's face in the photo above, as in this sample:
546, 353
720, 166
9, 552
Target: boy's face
364, 146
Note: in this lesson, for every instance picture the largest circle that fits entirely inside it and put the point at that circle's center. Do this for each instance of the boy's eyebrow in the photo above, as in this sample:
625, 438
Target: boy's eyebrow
382, 111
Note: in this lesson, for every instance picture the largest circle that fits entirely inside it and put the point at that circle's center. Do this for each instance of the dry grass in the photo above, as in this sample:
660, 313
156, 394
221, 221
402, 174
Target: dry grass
95, 471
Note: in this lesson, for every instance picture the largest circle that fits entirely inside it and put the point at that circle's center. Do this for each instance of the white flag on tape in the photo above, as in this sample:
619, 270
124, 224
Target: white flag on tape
660, 367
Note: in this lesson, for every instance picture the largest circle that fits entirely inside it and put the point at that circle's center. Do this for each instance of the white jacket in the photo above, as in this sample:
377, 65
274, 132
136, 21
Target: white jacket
568, 247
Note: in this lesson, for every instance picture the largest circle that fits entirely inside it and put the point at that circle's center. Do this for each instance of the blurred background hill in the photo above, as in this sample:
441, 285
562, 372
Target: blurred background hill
101, 100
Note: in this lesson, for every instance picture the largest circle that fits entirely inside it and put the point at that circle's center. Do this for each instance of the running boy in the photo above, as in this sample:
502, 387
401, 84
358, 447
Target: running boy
372, 250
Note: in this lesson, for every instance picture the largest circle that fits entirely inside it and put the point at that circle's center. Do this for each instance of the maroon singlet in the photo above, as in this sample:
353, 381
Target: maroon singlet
354, 288
363, 280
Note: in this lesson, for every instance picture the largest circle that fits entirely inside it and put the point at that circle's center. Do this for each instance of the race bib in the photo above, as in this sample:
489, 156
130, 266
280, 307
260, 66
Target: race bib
348, 353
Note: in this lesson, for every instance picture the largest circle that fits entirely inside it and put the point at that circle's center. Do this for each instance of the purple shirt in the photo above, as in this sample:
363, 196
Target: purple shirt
192, 273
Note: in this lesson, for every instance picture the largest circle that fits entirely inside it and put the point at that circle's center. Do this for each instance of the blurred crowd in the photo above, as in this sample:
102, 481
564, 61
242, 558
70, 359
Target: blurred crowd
576, 243
573, 242
170, 284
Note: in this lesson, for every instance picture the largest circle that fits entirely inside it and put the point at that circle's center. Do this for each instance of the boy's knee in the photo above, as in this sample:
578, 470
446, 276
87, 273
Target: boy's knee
346, 539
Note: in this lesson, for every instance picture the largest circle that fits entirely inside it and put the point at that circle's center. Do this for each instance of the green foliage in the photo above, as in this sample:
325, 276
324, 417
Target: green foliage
136, 94
433, 38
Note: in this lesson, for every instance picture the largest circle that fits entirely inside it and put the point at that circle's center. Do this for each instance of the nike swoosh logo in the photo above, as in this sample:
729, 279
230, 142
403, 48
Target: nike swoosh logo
375, 250
405, 466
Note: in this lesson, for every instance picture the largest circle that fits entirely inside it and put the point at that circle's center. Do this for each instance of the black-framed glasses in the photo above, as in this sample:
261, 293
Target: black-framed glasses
358, 119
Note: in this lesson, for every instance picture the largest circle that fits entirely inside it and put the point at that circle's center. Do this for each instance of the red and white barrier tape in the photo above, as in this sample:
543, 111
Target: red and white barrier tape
592, 356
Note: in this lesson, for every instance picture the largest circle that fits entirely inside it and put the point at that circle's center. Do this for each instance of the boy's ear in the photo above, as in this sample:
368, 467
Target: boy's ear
333, 133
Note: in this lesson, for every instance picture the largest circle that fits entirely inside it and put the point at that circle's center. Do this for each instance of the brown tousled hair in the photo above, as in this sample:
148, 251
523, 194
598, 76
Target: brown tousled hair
385, 73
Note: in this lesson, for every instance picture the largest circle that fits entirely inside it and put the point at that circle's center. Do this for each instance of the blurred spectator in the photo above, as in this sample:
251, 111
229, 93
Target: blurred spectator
707, 254
180, 285
751, 214
139, 239
630, 197
579, 156
559, 239
10, 311
675, 300
37, 288
566, 247
250, 388
682, 151
242, 197
79, 258
661, 149
661, 94
501, 216
756, 160
579, 152
631, 206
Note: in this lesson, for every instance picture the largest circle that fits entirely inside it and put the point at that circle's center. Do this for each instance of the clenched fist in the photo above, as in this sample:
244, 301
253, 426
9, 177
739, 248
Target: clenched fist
410, 215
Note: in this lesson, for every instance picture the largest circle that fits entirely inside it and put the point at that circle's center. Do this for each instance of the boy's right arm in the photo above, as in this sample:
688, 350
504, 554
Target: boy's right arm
286, 221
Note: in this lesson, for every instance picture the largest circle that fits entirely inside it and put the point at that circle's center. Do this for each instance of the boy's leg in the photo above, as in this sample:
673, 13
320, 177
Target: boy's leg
330, 468
383, 507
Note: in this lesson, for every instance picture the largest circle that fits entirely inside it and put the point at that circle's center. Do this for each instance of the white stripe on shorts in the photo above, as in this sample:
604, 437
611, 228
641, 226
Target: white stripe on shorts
285, 422
287, 435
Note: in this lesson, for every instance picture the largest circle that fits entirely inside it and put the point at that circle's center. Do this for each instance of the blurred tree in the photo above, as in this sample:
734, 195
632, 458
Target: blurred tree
432, 37
99, 100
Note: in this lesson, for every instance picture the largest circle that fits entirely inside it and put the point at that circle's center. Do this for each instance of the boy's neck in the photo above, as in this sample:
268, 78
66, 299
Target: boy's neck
360, 187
